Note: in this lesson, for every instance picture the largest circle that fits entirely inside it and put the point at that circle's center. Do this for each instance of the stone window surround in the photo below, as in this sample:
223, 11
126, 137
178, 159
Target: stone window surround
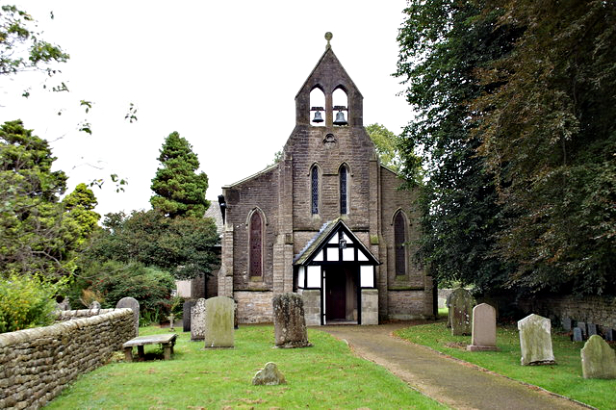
406, 224
258, 211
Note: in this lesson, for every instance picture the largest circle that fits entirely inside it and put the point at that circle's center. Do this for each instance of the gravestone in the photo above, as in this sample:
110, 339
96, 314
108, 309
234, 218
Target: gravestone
269, 376
94, 305
484, 328
197, 320
289, 321
566, 322
609, 335
577, 335
461, 312
219, 322
131, 303
592, 329
64, 305
449, 311
186, 316
582, 325
598, 359
536, 340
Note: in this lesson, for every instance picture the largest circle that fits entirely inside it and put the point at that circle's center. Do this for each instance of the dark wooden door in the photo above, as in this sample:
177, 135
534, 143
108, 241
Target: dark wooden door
335, 302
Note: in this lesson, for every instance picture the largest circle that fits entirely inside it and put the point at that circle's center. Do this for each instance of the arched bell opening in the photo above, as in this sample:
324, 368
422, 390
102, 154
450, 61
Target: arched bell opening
317, 107
340, 102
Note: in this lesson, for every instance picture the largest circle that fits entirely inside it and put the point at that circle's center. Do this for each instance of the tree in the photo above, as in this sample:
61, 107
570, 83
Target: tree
387, 144
442, 44
548, 133
79, 206
183, 246
33, 237
179, 190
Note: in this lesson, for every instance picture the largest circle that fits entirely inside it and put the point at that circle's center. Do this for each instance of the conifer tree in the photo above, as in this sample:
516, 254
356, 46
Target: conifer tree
178, 189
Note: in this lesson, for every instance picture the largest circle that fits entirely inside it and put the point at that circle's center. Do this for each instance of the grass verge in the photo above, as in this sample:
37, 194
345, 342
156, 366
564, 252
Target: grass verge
564, 378
326, 375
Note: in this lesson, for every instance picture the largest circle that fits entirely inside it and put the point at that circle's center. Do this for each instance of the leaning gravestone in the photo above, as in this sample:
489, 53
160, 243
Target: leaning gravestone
536, 340
484, 328
131, 303
186, 307
461, 311
197, 320
269, 376
219, 322
598, 359
289, 321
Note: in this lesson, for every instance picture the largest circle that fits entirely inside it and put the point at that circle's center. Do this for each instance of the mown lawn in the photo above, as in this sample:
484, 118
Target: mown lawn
326, 375
564, 378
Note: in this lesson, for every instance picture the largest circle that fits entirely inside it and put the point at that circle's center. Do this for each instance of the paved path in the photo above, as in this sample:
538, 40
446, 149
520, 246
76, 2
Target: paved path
451, 382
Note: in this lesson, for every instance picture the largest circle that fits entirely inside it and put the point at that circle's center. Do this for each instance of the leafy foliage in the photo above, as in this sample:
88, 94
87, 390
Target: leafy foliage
79, 206
441, 44
387, 145
182, 246
179, 190
26, 302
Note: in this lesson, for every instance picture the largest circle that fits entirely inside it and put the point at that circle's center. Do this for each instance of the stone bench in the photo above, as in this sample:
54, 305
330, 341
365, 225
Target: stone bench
168, 341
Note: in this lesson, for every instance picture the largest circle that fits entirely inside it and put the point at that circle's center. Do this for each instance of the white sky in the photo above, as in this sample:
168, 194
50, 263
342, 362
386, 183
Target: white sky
224, 74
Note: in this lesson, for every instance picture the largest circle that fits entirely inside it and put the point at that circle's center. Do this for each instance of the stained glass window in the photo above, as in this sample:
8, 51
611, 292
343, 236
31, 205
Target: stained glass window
399, 239
315, 190
343, 191
256, 249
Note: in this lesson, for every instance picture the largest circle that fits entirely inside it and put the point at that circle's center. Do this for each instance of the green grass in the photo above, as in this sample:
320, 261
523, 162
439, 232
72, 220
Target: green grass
565, 378
326, 375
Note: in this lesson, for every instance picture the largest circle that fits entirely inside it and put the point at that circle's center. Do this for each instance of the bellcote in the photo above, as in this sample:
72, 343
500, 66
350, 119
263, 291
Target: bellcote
330, 91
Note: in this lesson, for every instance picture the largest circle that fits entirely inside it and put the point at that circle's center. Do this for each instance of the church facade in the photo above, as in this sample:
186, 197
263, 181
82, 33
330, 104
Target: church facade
328, 221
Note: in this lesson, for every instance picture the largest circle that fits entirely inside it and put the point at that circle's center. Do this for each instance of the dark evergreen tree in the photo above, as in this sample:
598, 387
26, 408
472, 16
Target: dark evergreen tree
179, 189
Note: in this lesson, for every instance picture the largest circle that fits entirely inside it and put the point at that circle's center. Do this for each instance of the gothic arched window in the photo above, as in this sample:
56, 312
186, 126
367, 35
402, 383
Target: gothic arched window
256, 245
344, 187
399, 240
314, 190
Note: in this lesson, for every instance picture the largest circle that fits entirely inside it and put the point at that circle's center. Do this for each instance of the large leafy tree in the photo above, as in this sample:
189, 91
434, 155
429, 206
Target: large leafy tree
36, 237
387, 145
442, 44
548, 133
183, 246
79, 206
178, 189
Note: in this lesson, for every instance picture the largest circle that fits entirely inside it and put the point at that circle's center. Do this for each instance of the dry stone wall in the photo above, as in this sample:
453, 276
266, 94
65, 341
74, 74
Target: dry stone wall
596, 310
36, 364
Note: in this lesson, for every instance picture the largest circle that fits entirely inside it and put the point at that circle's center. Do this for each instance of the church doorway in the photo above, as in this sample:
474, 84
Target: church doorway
341, 293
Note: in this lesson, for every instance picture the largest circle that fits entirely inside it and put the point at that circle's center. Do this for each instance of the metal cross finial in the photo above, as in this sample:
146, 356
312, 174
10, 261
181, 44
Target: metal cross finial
328, 36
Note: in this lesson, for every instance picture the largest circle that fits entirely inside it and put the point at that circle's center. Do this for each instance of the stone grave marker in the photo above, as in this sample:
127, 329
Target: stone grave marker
536, 340
449, 311
289, 321
582, 325
131, 303
219, 322
94, 305
461, 311
566, 322
484, 328
592, 329
186, 307
577, 335
609, 335
269, 376
598, 359
197, 320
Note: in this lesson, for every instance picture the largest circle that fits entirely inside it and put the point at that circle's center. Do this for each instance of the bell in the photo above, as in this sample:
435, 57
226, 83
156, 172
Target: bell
317, 117
340, 119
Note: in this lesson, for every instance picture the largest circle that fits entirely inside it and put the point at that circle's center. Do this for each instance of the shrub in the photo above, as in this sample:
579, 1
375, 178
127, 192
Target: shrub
26, 302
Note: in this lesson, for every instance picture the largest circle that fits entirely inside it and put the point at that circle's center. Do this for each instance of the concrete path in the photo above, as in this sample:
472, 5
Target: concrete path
454, 383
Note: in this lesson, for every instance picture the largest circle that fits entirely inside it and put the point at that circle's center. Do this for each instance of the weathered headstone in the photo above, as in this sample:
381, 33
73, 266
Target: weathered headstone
598, 359
449, 311
566, 322
536, 340
582, 325
269, 376
577, 335
94, 305
186, 314
64, 304
289, 321
609, 335
131, 303
219, 322
461, 312
592, 329
484, 328
197, 320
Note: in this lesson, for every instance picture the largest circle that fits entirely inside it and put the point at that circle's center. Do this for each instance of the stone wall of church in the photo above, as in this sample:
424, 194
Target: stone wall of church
409, 304
260, 191
254, 307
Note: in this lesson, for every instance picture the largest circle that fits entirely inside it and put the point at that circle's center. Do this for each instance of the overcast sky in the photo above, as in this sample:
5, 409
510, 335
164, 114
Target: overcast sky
224, 74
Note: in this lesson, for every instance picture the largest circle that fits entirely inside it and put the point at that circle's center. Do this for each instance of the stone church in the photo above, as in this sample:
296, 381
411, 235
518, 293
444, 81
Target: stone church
328, 221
